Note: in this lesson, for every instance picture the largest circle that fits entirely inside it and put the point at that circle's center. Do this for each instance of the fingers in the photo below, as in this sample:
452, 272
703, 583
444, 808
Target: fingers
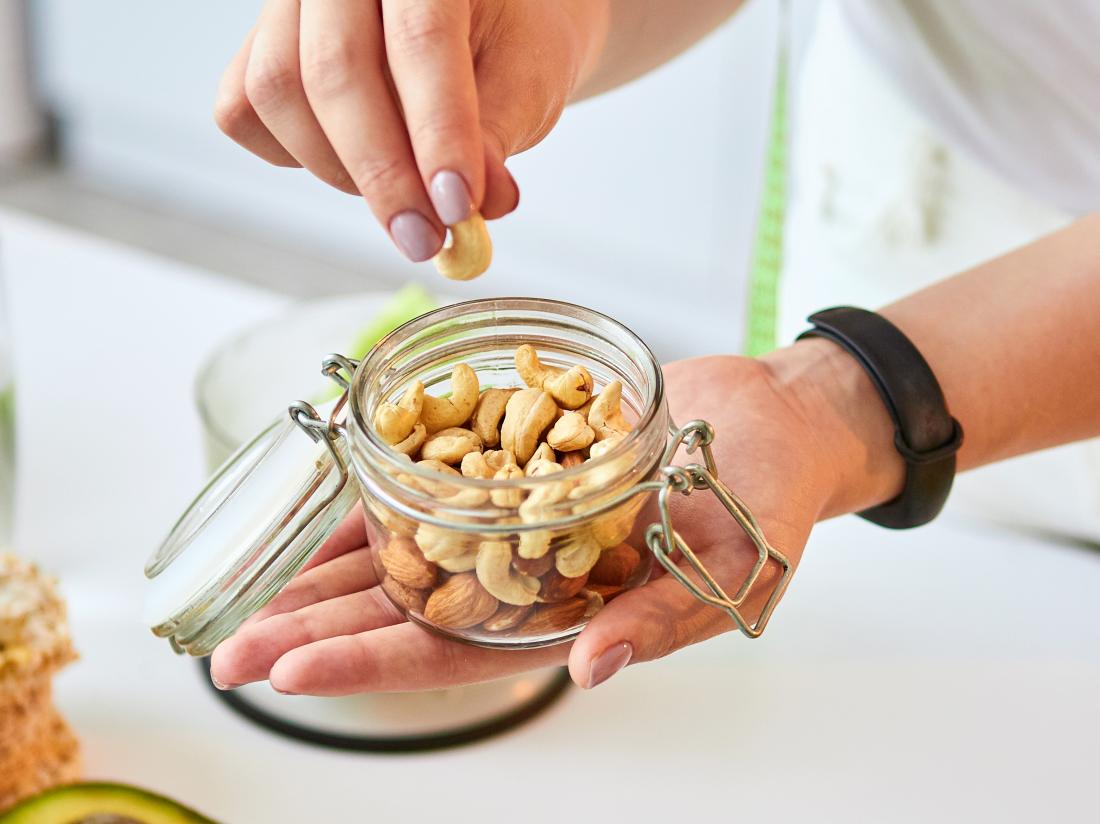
350, 535
239, 121
399, 657
428, 49
352, 572
661, 617
249, 655
274, 86
343, 73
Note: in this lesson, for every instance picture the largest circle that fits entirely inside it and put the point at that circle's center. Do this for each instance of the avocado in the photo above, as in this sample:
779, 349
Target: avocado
101, 803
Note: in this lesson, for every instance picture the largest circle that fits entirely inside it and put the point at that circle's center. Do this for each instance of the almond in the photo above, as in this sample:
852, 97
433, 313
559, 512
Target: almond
506, 618
405, 597
535, 567
556, 587
615, 565
555, 617
460, 603
571, 459
406, 564
605, 591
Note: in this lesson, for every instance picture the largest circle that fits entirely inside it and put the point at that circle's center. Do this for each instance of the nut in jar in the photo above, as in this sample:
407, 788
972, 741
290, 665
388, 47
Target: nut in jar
525, 581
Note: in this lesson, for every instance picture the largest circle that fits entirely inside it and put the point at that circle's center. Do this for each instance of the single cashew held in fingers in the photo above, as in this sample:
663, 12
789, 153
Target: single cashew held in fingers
571, 433
442, 413
450, 445
570, 387
470, 251
488, 414
495, 572
395, 421
528, 414
606, 415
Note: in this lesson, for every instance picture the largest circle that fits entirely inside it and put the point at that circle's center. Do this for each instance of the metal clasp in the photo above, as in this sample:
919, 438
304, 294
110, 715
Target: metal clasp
662, 539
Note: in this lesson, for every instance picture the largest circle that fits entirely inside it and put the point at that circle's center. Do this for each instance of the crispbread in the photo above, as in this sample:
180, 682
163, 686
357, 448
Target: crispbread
37, 748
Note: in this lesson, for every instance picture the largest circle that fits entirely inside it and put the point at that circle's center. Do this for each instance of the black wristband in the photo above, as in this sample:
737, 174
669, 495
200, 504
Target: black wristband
924, 432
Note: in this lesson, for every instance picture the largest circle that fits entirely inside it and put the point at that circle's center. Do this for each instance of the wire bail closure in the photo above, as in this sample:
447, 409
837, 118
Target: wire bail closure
662, 539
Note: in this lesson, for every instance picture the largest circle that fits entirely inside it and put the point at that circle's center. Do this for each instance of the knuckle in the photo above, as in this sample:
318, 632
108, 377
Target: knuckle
418, 28
233, 114
269, 83
328, 67
378, 174
439, 128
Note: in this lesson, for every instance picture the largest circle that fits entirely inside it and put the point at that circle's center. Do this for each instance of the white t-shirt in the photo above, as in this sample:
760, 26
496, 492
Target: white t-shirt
1015, 83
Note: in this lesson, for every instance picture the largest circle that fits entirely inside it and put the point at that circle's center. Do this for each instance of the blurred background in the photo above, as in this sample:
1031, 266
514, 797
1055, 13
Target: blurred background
105, 123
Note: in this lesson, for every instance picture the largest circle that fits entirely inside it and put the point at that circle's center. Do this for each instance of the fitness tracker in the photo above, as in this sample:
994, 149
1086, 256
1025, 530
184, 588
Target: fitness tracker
924, 432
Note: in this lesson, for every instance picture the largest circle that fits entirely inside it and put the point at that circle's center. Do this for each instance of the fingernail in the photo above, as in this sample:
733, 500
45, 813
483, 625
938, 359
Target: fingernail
221, 686
609, 662
515, 188
282, 692
450, 197
415, 236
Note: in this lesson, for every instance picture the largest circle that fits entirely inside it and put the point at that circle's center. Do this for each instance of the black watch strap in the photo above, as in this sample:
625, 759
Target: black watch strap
924, 432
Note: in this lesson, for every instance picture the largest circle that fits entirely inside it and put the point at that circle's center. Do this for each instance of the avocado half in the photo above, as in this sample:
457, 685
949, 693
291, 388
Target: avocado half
101, 803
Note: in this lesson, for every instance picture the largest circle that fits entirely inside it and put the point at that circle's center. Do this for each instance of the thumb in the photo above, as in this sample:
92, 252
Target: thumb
663, 616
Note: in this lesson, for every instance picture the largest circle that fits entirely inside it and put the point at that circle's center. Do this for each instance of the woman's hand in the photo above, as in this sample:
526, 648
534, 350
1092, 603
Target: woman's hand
781, 445
415, 104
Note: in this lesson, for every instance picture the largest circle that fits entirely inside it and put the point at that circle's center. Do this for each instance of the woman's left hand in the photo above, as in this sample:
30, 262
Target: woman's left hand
333, 631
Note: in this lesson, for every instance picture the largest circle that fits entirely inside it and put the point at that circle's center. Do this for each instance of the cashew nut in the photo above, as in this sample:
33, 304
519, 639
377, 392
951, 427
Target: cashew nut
537, 469
606, 416
441, 413
533, 544
528, 414
413, 442
570, 433
460, 563
439, 544
395, 421
488, 414
470, 251
570, 387
450, 445
474, 465
507, 498
395, 523
578, 555
499, 458
495, 572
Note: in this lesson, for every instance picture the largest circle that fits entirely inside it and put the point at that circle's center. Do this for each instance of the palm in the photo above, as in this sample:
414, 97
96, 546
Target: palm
333, 631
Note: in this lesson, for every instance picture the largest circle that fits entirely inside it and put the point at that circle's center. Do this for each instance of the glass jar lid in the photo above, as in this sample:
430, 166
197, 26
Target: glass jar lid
251, 529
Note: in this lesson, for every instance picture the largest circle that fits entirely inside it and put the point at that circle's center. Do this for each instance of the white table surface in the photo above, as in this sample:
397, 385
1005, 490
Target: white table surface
951, 673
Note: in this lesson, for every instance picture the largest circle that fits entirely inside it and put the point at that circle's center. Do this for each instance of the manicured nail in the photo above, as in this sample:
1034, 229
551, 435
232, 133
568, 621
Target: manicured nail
415, 236
283, 692
450, 197
609, 662
221, 686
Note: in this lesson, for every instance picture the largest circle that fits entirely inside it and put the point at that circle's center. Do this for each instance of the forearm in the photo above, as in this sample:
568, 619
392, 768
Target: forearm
632, 37
1015, 344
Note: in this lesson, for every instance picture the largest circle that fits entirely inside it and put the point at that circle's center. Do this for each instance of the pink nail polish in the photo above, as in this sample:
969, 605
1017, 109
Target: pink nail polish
609, 662
450, 197
221, 686
415, 236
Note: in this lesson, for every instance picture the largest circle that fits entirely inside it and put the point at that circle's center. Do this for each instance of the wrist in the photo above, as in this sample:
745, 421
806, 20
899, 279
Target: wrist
861, 466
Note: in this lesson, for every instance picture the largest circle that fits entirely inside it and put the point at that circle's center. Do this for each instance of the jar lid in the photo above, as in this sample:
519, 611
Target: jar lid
250, 530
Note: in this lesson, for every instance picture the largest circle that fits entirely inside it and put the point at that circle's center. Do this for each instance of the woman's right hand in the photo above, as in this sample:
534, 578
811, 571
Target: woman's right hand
414, 104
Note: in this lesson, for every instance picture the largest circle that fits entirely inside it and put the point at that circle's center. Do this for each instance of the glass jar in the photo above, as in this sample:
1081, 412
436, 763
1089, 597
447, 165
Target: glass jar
502, 563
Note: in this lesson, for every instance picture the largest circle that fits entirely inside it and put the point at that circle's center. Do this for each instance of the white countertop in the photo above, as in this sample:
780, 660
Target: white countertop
950, 673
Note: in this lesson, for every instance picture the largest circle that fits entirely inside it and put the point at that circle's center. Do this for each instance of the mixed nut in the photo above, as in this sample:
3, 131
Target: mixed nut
531, 582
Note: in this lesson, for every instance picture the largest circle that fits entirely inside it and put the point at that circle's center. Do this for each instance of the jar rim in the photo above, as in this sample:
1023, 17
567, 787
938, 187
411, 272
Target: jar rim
380, 450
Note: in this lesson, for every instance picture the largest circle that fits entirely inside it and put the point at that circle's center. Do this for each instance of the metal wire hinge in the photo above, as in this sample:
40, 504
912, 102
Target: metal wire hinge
663, 540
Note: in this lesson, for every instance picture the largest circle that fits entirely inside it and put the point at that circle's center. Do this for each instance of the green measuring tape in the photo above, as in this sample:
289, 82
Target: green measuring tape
767, 251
